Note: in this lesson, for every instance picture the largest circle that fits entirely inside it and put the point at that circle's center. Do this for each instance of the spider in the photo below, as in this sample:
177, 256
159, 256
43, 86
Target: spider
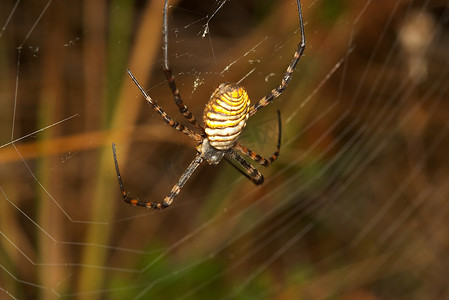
224, 118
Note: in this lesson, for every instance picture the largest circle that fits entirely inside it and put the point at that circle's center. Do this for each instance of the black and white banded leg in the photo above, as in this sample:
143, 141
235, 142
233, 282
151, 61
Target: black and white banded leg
288, 74
252, 173
258, 158
173, 193
171, 79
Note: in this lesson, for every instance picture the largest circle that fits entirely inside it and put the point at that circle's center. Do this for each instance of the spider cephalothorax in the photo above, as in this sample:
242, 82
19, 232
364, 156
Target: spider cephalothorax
224, 117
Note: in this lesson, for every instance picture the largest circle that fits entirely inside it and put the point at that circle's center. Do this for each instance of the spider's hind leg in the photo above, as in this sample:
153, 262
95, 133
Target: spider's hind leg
183, 109
274, 93
171, 79
168, 120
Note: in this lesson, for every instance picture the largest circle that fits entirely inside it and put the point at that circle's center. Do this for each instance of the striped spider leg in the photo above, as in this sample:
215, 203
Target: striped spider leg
250, 172
184, 110
277, 91
192, 167
173, 193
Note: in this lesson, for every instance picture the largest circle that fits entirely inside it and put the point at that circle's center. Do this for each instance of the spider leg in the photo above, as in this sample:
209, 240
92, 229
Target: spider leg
251, 172
183, 109
229, 161
126, 198
171, 79
153, 104
182, 180
258, 158
288, 74
173, 193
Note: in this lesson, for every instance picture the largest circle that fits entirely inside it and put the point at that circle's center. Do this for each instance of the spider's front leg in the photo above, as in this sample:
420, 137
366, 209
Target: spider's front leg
173, 193
251, 173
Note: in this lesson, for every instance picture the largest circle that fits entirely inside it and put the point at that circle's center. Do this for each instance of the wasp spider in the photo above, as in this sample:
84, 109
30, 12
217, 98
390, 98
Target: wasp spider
224, 118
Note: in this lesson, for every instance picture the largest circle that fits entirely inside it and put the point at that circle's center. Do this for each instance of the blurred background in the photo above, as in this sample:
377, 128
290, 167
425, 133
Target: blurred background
356, 206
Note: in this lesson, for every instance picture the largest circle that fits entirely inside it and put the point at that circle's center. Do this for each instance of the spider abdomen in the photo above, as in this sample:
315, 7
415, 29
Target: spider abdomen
225, 115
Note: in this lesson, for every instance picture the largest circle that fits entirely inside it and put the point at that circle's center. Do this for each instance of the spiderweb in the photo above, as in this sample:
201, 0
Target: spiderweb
354, 208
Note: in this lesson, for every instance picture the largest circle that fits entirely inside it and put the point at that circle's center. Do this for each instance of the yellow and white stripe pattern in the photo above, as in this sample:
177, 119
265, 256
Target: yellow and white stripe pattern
225, 115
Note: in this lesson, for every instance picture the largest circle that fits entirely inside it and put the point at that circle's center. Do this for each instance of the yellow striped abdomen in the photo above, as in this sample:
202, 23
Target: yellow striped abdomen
225, 115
